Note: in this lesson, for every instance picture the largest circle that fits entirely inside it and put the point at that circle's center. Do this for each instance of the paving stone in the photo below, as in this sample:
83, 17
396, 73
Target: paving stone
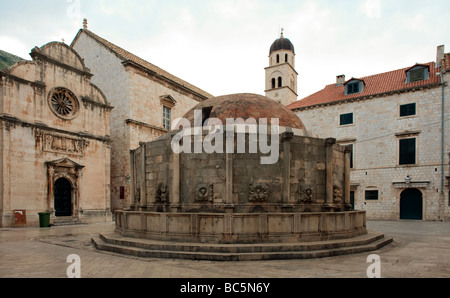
419, 250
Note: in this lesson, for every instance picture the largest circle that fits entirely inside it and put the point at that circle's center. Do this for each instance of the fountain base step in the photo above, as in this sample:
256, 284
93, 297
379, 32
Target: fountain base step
146, 248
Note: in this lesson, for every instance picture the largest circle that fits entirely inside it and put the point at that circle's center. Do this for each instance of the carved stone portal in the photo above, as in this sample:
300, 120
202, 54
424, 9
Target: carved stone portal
69, 170
259, 192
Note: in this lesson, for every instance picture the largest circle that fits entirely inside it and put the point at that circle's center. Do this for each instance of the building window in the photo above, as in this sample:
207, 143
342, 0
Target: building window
346, 119
351, 155
206, 113
278, 58
416, 74
166, 117
371, 195
407, 150
274, 85
122, 192
352, 88
280, 82
286, 58
63, 103
408, 110
352, 199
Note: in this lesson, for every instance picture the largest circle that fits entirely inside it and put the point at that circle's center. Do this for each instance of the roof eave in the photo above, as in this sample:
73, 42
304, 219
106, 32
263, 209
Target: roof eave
154, 73
369, 96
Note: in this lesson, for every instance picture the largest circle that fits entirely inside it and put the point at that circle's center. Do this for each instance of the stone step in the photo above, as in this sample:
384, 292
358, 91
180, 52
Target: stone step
66, 222
240, 252
114, 238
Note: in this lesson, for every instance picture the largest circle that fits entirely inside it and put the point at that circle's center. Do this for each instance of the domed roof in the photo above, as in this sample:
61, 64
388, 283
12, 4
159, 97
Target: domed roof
282, 44
245, 106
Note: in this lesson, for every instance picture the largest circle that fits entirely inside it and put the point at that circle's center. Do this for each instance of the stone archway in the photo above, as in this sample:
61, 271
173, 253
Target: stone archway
63, 187
411, 204
63, 198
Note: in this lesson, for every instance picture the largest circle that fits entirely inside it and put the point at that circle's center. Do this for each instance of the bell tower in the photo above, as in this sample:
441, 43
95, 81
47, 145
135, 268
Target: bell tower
281, 77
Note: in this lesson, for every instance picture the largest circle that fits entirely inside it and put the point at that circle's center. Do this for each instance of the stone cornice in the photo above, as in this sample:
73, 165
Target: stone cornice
36, 54
282, 64
21, 80
140, 123
39, 125
87, 100
199, 97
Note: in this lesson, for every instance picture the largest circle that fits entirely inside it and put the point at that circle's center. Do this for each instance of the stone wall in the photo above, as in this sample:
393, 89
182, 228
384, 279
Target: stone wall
241, 228
310, 175
375, 136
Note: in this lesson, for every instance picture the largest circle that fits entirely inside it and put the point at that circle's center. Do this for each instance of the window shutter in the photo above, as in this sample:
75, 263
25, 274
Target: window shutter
346, 119
408, 110
417, 75
407, 151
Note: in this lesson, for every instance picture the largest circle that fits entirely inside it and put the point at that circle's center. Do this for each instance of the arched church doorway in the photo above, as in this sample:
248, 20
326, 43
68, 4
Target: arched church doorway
411, 204
63, 197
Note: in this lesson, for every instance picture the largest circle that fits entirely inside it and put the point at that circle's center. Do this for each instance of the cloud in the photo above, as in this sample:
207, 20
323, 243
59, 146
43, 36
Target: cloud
14, 46
222, 46
73, 10
372, 9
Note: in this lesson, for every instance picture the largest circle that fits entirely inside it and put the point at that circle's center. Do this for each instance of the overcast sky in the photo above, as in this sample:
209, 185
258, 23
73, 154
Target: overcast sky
222, 46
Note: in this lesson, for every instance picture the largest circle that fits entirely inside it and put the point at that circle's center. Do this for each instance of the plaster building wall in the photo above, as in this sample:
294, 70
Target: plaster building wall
39, 146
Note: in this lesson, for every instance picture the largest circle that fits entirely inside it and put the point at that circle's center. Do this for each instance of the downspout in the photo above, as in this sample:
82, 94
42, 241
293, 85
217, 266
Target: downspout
442, 138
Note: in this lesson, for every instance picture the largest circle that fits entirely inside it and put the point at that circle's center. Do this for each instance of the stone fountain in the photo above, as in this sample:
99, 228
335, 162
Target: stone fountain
223, 187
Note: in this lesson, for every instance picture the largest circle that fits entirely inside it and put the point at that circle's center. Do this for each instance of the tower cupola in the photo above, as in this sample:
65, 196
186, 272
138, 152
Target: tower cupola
282, 44
281, 76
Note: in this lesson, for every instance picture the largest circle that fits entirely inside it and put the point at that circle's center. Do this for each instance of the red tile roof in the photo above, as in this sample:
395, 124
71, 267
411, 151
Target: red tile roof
446, 62
375, 85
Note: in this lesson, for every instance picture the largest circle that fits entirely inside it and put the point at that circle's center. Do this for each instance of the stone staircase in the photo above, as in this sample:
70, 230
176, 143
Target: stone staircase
66, 221
238, 252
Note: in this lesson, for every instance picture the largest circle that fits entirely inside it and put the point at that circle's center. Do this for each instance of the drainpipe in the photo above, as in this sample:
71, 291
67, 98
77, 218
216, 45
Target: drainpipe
442, 139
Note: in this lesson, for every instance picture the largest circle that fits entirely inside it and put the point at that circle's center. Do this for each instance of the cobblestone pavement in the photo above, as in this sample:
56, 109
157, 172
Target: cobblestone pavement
420, 249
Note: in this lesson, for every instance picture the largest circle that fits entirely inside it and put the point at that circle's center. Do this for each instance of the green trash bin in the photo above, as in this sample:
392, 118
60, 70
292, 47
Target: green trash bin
44, 219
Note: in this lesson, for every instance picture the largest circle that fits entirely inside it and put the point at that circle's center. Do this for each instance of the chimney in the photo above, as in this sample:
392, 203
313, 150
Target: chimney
340, 80
439, 55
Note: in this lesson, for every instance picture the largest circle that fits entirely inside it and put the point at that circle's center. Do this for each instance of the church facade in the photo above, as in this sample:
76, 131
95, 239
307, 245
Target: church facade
54, 141
146, 100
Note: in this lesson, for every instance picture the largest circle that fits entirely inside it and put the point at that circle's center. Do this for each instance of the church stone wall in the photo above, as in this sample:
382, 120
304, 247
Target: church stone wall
110, 76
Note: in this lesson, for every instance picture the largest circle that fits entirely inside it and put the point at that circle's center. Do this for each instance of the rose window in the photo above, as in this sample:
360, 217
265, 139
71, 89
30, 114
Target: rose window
63, 103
